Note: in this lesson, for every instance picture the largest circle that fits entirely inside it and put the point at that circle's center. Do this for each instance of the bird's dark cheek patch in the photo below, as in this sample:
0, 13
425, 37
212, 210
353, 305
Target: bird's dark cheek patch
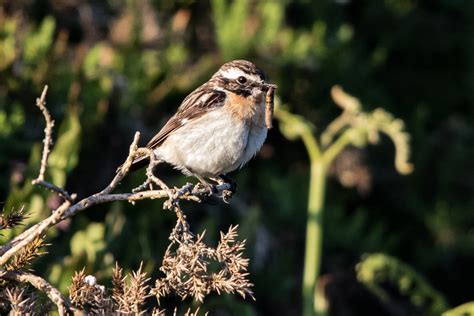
243, 92
240, 90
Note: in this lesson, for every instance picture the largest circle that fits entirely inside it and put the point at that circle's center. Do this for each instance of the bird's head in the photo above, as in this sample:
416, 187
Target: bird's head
243, 78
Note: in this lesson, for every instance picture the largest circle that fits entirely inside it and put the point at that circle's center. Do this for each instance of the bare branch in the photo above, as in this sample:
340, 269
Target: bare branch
149, 173
48, 131
63, 304
9, 249
132, 153
52, 187
47, 143
151, 178
67, 210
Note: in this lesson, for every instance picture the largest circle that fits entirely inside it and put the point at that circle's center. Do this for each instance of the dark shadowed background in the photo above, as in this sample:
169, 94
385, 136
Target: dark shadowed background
114, 67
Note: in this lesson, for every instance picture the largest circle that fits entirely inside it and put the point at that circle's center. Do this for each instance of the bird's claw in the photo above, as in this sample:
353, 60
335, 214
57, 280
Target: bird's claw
227, 194
211, 190
208, 188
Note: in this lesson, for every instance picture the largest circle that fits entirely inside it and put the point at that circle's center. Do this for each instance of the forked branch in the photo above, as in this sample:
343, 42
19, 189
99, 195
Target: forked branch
47, 143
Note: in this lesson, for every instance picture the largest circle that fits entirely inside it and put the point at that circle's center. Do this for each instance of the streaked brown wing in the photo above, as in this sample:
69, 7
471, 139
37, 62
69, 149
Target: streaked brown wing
194, 105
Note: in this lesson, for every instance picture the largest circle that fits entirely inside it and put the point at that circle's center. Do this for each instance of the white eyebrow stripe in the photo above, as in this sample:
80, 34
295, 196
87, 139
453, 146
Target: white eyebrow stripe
234, 73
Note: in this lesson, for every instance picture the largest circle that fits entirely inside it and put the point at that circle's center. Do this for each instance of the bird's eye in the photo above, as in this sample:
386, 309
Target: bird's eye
242, 79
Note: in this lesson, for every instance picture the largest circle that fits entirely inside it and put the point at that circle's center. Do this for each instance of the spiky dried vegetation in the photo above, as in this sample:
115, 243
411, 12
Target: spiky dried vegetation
186, 267
187, 272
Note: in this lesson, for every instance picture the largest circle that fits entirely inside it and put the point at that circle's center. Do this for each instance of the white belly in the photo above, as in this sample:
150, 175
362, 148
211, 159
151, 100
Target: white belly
214, 144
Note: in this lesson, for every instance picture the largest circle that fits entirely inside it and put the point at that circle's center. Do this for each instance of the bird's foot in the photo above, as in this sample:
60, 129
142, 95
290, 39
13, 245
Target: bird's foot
206, 186
228, 193
210, 188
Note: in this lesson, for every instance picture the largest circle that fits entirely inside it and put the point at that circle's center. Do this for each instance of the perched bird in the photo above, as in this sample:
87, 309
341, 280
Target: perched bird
218, 128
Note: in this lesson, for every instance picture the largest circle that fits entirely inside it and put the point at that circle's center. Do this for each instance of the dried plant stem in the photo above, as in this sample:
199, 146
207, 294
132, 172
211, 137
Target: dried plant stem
63, 304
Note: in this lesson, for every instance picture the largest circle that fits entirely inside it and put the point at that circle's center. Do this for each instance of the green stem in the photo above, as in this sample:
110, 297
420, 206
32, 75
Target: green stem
320, 163
312, 146
313, 235
336, 147
294, 126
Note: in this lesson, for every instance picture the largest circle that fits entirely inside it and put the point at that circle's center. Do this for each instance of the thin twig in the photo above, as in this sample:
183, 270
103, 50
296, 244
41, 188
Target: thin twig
48, 132
63, 304
52, 187
133, 152
151, 178
47, 143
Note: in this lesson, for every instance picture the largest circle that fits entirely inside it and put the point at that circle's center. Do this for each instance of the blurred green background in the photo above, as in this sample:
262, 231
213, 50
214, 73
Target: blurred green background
114, 67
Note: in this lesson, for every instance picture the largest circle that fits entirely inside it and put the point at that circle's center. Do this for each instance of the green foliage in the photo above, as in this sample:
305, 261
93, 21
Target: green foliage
38, 43
361, 233
7, 42
232, 33
88, 242
128, 65
464, 309
9, 123
377, 269
64, 156
240, 30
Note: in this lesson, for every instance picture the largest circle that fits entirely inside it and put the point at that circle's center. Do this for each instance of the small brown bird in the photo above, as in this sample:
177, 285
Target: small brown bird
218, 128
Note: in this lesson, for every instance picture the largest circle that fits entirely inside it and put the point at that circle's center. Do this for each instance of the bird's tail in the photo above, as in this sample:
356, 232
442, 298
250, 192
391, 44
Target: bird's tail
137, 164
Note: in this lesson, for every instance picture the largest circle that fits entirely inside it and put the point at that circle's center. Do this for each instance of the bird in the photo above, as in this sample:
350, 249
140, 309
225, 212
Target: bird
217, 128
